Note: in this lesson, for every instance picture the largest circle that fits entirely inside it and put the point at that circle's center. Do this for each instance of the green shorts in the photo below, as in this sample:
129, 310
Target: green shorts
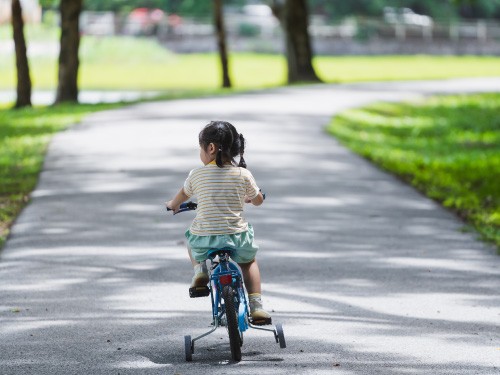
242, 242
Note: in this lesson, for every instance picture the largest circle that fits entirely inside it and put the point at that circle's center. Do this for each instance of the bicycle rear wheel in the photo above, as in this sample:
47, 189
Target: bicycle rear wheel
232, 323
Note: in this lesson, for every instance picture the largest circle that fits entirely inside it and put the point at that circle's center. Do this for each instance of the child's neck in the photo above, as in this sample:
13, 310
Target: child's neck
213, 162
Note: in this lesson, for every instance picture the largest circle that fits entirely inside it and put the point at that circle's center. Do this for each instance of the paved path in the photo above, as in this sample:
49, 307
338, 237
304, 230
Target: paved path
367, 275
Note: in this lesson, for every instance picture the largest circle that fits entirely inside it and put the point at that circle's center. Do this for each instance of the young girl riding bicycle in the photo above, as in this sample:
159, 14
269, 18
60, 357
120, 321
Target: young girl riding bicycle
222, 189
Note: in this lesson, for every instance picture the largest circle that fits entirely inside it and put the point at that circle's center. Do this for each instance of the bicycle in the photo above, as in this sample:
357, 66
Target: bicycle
229, 301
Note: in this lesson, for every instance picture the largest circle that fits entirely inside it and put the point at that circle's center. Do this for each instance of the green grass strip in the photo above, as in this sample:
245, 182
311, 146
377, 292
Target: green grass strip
447, 147
24, 136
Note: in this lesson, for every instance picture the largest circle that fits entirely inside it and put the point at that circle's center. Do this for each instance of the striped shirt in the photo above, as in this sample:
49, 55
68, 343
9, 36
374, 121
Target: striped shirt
221, 195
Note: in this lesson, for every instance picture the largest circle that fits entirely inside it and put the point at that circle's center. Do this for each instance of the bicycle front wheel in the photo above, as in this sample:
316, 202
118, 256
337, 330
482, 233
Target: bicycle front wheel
232, 323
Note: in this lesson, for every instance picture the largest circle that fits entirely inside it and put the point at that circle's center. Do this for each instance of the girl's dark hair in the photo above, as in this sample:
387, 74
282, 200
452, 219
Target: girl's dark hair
228, 141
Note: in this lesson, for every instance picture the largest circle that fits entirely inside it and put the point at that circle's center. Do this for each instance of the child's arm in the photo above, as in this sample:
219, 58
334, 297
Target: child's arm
179, 198
257, 201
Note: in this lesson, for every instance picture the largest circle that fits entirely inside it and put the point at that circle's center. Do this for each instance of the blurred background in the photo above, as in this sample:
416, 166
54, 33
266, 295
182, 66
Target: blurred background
336, 27
156, 45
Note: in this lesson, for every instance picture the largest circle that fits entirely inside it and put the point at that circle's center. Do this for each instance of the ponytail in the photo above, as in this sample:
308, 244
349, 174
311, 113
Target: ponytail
242, 162
218, 158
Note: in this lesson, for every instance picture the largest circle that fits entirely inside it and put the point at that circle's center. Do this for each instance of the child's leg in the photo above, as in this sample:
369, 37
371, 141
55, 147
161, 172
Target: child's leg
193, 261
200, 277
251, 276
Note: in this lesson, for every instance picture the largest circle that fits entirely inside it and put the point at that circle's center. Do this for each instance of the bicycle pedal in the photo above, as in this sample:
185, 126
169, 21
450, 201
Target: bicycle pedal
199, 291
261, 322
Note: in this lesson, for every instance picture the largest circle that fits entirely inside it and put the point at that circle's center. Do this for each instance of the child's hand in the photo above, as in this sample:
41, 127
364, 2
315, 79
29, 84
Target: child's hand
175, 204
171, 207
257, 201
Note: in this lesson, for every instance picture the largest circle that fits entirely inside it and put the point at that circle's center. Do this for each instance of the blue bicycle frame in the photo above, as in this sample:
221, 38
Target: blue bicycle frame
227, 273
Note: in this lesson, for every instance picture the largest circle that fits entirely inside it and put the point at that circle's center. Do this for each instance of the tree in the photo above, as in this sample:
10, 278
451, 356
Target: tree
23, 70
67, 88
293, 15
221, 42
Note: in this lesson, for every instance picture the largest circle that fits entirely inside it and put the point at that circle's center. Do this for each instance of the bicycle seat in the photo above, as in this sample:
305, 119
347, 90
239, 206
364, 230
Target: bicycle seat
212, 253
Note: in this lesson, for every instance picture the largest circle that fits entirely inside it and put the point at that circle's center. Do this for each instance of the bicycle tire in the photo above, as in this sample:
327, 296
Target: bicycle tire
232, 323
188, 348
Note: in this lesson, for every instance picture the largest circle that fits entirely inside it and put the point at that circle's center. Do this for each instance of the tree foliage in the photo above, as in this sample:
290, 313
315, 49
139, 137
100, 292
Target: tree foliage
331, 8
433, 8
183, 7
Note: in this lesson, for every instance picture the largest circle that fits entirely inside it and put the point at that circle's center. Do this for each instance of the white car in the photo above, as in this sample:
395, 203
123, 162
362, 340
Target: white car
406, 16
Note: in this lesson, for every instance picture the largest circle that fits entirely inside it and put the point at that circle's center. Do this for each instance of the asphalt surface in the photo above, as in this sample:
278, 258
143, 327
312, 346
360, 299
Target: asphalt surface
366, 275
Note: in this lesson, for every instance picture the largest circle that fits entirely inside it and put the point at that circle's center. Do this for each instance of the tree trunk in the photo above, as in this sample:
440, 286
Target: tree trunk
67, 88
293, 15
23, 70
221, 42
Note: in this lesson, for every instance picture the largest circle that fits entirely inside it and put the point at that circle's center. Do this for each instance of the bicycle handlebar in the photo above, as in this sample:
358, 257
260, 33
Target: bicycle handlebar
188, 206
191, 206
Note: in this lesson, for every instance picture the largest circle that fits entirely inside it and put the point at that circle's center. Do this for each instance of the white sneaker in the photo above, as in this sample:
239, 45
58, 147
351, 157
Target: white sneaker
200, 277
257, 313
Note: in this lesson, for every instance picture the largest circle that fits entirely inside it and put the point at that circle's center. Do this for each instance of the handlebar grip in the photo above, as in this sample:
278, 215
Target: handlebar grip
187, 206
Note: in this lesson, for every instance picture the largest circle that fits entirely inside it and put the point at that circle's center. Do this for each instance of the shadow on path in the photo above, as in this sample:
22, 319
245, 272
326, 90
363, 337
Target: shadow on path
368, 276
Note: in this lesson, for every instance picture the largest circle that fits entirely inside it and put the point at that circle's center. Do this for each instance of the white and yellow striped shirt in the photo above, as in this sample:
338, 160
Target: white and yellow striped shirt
221, 196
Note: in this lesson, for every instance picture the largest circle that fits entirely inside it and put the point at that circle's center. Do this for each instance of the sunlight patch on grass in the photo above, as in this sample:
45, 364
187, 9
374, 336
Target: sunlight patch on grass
448, 147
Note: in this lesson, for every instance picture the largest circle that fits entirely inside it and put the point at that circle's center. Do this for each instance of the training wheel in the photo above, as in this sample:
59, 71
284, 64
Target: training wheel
280, 336
188, 348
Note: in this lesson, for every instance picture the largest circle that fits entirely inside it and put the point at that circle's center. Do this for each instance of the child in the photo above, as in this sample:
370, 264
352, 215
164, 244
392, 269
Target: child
222, 188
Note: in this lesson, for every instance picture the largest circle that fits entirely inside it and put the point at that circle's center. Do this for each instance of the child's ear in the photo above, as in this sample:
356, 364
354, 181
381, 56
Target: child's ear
211, 148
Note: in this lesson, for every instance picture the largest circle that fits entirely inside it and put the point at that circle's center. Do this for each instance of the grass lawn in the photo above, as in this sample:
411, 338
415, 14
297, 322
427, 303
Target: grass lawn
400, 68
448, 147
115, 63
